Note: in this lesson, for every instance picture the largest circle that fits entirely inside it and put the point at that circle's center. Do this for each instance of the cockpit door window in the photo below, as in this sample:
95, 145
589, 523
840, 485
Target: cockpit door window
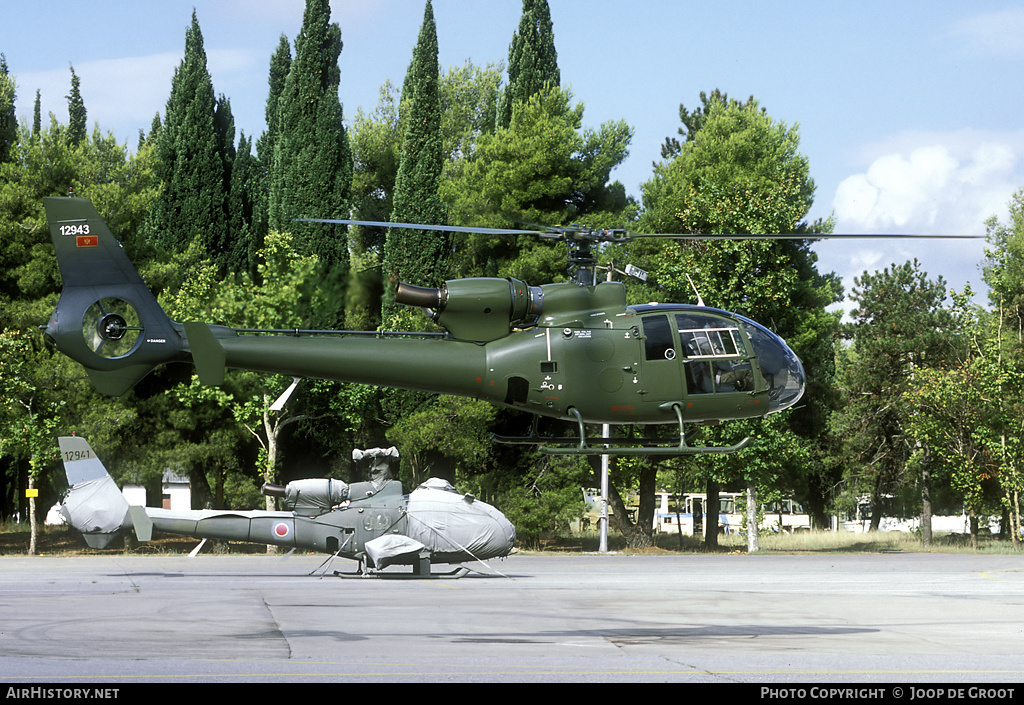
658, 344
716, 358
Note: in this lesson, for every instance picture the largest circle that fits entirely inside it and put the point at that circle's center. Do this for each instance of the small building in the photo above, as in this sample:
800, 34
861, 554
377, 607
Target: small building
175, 492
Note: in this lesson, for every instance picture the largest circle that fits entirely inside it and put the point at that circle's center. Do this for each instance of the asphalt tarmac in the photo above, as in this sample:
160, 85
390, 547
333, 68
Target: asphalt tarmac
884, 618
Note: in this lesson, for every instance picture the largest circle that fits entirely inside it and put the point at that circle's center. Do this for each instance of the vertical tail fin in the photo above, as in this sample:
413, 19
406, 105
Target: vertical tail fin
106, 318
94, 505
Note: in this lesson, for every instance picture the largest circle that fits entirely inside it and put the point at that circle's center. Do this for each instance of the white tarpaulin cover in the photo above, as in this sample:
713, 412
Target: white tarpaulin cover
455, 526
314, 496
95, 506
385, 550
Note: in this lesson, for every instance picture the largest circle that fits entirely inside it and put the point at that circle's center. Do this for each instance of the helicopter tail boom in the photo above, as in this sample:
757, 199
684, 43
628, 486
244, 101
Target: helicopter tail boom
400, 362
108, 321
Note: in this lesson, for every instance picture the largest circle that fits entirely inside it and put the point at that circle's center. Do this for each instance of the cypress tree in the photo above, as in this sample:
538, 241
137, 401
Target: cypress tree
246, 244
532, 59
311, 174
76, 133
241, 253
37, 116
8, 118
417, 256
190, 163
280, 65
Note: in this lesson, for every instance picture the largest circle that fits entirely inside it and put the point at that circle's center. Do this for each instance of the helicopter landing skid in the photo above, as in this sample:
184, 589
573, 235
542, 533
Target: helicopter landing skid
421, 571
582, 445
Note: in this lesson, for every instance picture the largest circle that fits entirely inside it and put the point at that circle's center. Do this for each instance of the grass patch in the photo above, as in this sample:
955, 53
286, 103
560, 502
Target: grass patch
837, 542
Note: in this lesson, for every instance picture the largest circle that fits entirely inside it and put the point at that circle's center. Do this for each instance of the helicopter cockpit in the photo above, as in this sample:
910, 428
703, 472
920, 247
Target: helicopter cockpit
714, 356
779, 365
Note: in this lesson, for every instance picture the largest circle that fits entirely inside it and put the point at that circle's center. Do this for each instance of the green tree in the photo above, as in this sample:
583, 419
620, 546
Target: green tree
532, 59
311, 173
280, 65
899, 328
37, 116
547, 497
952, 425
243, 209
693, 120
1003, 272
279, 295
467, 99
739, 171
190, 161
77, 131
8, 116
29, 414
469, 96
263, 160
448, 439
545, 169
417, 256
376, 153
1003, 269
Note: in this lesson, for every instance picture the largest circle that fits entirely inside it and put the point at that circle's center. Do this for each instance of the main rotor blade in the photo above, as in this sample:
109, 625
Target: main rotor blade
414, 226
803, 236
579, 233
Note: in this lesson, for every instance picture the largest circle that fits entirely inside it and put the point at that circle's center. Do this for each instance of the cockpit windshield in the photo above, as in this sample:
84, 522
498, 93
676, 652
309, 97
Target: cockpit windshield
779, 365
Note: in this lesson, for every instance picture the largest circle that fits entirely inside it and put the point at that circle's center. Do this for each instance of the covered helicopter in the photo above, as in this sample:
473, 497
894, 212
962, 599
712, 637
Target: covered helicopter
371, 522
572, 351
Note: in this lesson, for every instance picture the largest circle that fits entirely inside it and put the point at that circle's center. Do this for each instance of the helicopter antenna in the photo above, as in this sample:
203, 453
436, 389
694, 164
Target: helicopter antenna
700, 301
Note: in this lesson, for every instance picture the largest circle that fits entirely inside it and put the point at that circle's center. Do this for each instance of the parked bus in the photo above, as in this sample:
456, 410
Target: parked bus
688, 516
688, 512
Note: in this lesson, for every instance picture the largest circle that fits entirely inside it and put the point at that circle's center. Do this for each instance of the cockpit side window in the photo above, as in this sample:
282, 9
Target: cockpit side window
658, 344
716, 359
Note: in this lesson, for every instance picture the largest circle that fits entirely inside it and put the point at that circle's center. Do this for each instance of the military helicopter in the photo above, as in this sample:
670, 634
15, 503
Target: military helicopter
370, 522
571, 351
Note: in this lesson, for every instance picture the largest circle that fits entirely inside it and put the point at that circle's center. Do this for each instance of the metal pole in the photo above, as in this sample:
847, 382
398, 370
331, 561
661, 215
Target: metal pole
606, 432
603, 548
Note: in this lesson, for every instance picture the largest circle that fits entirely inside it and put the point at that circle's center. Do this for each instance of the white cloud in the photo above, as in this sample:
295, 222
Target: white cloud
925, 183
932, 183
896, 189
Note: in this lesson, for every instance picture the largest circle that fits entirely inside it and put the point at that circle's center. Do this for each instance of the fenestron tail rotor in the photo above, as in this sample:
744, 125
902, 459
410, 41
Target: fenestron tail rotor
111, 327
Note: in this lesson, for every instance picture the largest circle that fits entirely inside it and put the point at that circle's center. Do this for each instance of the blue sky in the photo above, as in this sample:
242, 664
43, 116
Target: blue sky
910, 112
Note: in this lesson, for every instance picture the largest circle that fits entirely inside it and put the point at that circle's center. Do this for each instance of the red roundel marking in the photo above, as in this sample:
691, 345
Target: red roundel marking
281, 530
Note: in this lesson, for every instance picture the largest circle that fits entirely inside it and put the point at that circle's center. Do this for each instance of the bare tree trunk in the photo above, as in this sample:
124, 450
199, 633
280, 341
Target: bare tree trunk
711, 509
926, 505
752, 546
634, 534
1015, 519
876, 506
644, 531
32, 516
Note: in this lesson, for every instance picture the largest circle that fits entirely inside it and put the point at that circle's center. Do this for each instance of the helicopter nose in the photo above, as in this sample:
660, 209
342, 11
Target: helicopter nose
497, 538
780, 366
